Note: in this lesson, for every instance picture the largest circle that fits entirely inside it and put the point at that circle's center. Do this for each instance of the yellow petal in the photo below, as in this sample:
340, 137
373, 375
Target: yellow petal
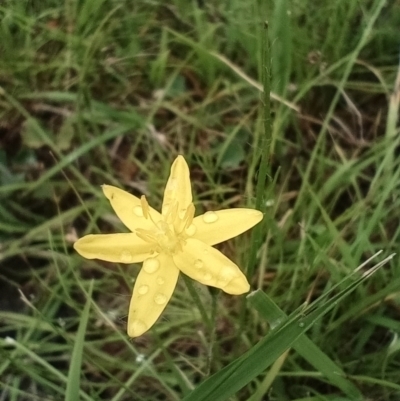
118, 248
153, 289
207, 265
129, 208
215, 227
178, 186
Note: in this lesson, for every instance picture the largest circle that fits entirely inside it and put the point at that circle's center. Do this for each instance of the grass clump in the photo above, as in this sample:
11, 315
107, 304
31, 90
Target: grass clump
96, 92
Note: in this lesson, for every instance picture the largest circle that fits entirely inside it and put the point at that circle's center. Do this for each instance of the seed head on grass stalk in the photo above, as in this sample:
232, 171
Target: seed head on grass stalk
168, 242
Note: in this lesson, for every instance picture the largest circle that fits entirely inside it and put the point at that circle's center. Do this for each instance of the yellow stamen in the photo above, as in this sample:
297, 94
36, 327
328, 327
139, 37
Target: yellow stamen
145, 206
172, 213
146, 235
189, 215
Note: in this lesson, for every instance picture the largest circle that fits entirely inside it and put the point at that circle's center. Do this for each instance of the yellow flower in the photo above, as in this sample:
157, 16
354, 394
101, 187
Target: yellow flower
167, 243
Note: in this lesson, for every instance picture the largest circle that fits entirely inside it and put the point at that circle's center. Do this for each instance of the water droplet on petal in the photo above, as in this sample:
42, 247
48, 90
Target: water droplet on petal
160, 299
191, 230
223, 280
225, 276
143, 289
138, 211
210, 217
172, 184
151, 265
160, 280
198, 264
137, 327
228, 270
207, 276
125, 257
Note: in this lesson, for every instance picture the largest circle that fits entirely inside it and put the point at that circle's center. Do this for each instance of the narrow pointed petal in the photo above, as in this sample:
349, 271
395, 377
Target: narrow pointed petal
178, 187
215, 227
117, 248
207, 265
129, 208
153, 289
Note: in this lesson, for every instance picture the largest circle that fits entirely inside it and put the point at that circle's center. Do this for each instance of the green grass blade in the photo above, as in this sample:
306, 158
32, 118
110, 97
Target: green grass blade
49, 370
237, 374
74, 374
74, 155
306, 348
266, 151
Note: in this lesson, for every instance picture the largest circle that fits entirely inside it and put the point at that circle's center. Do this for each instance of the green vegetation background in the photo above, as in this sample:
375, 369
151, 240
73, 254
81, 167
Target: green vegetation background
106, 91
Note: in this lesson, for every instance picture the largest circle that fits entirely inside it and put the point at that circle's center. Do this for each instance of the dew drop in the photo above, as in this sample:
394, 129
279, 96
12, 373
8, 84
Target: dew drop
275, 323
9, 341
160, 280
198, 263
125, 257
223, 279
227, 275
138, 211
143, 289
191, 230
207, 276
172, 184
210, 217
228, 271
151, 265
160, 299
137, 327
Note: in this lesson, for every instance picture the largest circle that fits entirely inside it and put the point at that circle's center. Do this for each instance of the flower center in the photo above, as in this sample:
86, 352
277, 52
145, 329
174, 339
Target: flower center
169, 234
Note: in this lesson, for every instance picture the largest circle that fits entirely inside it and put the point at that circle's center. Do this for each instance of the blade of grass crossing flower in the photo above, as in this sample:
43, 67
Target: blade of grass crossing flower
74, 374
244, 369
305, 347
